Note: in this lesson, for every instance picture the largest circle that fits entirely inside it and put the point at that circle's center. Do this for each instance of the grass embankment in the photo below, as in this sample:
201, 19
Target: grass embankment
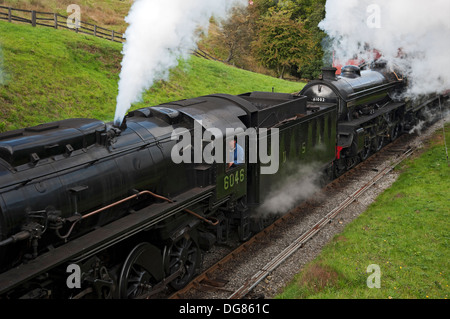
109, 14
58, 74
405, 232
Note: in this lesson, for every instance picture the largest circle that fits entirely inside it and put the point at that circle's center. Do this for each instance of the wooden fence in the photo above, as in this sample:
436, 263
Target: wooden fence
202, 54
55, 20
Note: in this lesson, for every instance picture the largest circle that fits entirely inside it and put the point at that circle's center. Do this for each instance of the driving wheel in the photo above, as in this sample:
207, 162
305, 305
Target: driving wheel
135, 278
184, 254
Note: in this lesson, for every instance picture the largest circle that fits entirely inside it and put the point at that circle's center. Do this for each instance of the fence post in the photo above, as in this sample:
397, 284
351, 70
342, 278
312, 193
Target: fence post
33, 18
55, 21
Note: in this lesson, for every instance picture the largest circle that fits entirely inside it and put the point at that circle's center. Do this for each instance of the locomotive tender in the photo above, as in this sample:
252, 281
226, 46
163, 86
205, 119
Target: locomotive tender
110, 204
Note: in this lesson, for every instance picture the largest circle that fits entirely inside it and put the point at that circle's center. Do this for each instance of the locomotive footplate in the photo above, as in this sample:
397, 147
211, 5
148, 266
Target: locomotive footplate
102, 238
358, 122
347, 130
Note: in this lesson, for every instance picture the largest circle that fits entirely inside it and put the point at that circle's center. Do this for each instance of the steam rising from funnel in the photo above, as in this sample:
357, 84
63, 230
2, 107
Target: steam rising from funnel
412, 35
159, 33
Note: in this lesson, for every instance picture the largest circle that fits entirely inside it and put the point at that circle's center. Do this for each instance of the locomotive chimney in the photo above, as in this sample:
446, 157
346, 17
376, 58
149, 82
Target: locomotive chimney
112, 131
122, 126
329, 73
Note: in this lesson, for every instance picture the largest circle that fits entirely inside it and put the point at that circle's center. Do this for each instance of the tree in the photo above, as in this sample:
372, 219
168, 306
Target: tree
282, 43
309, 13
230, 40
239, 39
234, 35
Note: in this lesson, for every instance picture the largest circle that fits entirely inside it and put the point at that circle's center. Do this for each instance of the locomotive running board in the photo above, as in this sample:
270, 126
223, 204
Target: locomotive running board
102, 238
363, 119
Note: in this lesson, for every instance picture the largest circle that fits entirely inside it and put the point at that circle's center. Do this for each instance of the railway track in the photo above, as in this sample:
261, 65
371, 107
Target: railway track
300, 241
223, 280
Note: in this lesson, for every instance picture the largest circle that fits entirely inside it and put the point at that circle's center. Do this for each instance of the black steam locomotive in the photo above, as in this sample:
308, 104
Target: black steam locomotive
92, 210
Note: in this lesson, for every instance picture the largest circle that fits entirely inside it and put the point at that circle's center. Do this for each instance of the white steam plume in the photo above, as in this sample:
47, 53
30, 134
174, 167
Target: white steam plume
420, 29
159, 33
302, 182
432, 115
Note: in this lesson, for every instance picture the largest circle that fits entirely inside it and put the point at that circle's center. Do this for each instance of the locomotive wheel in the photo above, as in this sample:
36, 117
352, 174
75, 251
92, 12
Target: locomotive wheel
339, 167
136, 278
184, 253
364, 154
377, 143
395, 130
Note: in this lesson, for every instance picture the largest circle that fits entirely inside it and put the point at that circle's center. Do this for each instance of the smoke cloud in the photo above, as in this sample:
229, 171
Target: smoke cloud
302, 182
160, 32
429, 116
412, 35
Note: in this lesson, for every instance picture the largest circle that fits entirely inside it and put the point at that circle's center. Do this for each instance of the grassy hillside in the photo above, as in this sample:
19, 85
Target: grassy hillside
56, 74
109, 14
405, 232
